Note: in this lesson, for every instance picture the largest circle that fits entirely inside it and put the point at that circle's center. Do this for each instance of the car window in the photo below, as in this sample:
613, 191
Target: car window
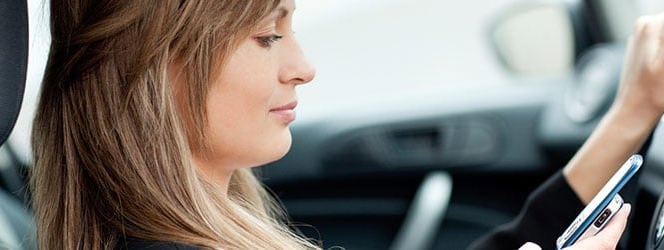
373, 50
620, 15
650, 6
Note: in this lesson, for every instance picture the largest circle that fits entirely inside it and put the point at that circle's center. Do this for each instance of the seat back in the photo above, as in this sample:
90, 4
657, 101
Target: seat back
16, 227
13, 61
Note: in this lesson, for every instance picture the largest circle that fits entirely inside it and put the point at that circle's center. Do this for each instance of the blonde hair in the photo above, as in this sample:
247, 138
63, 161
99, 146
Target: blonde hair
113, 157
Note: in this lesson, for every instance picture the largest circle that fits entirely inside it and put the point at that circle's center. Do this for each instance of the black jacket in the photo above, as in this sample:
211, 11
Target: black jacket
547, 212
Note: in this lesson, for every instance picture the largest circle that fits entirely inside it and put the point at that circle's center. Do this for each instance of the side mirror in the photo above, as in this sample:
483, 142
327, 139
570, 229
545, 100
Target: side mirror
534, 38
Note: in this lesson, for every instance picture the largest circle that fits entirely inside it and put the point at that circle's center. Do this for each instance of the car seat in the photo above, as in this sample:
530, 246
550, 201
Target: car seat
16, 226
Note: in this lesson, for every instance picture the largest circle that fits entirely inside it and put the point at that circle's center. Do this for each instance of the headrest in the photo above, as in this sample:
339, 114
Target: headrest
13, 61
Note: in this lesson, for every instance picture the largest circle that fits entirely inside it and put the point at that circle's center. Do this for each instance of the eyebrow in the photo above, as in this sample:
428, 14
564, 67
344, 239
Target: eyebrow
282, 12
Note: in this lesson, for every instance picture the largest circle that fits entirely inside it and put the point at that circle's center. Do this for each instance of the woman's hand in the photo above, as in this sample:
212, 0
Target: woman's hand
642, 87
607, 239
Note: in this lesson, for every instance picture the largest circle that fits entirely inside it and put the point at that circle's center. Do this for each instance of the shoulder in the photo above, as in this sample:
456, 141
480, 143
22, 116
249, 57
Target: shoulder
138, 244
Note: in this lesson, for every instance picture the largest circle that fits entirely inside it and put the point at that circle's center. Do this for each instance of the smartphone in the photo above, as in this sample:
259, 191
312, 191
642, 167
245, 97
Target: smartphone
602, 207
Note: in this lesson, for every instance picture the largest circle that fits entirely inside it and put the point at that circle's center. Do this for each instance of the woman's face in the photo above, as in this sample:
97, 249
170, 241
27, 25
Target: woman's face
252, 103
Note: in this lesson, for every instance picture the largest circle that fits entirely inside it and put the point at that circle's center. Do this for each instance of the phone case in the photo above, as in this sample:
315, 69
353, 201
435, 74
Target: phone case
602, 207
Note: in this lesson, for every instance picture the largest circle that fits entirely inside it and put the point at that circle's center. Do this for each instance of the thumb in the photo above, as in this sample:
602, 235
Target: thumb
609, 237
612, 232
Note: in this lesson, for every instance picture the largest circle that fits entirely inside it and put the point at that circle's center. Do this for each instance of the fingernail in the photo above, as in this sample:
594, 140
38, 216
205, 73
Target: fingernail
530, 246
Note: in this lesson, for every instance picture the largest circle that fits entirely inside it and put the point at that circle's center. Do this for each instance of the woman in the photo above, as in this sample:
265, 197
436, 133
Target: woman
153, 112
138, 135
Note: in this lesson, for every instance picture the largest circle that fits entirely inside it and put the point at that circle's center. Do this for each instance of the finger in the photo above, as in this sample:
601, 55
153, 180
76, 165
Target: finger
658, 23
656, 43
530, 246
640, 25
612, 232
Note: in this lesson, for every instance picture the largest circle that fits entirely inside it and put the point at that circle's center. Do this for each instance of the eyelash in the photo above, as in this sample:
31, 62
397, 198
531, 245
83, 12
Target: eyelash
267, 41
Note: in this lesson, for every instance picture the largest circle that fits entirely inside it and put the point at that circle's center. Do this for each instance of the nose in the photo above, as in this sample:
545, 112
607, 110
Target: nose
296, 69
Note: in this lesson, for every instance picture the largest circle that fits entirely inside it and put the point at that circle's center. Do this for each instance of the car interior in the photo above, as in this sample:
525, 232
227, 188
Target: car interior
430, 170
440, 173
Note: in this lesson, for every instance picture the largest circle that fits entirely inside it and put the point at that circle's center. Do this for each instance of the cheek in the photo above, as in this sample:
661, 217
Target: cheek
242, 134
241, 131
238, 116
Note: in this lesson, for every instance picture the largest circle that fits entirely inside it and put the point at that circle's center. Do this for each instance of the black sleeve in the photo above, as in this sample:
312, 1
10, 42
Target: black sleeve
138, 244
546, 214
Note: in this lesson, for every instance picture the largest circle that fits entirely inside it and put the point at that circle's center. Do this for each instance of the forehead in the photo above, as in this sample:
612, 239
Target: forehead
284, 9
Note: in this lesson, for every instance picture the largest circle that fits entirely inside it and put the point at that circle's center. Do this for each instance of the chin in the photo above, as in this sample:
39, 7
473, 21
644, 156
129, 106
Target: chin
280, 145
285, 144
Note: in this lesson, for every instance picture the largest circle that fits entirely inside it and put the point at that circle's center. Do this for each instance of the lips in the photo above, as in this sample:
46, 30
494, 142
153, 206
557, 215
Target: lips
289, 106
285, 113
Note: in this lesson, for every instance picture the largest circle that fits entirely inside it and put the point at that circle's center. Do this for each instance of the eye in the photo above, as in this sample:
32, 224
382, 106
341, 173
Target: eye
267, 41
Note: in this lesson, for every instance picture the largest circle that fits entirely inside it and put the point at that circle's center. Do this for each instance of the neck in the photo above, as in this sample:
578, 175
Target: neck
214, 172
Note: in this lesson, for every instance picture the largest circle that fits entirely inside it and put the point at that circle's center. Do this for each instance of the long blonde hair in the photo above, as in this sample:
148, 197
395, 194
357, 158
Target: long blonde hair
112, 152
